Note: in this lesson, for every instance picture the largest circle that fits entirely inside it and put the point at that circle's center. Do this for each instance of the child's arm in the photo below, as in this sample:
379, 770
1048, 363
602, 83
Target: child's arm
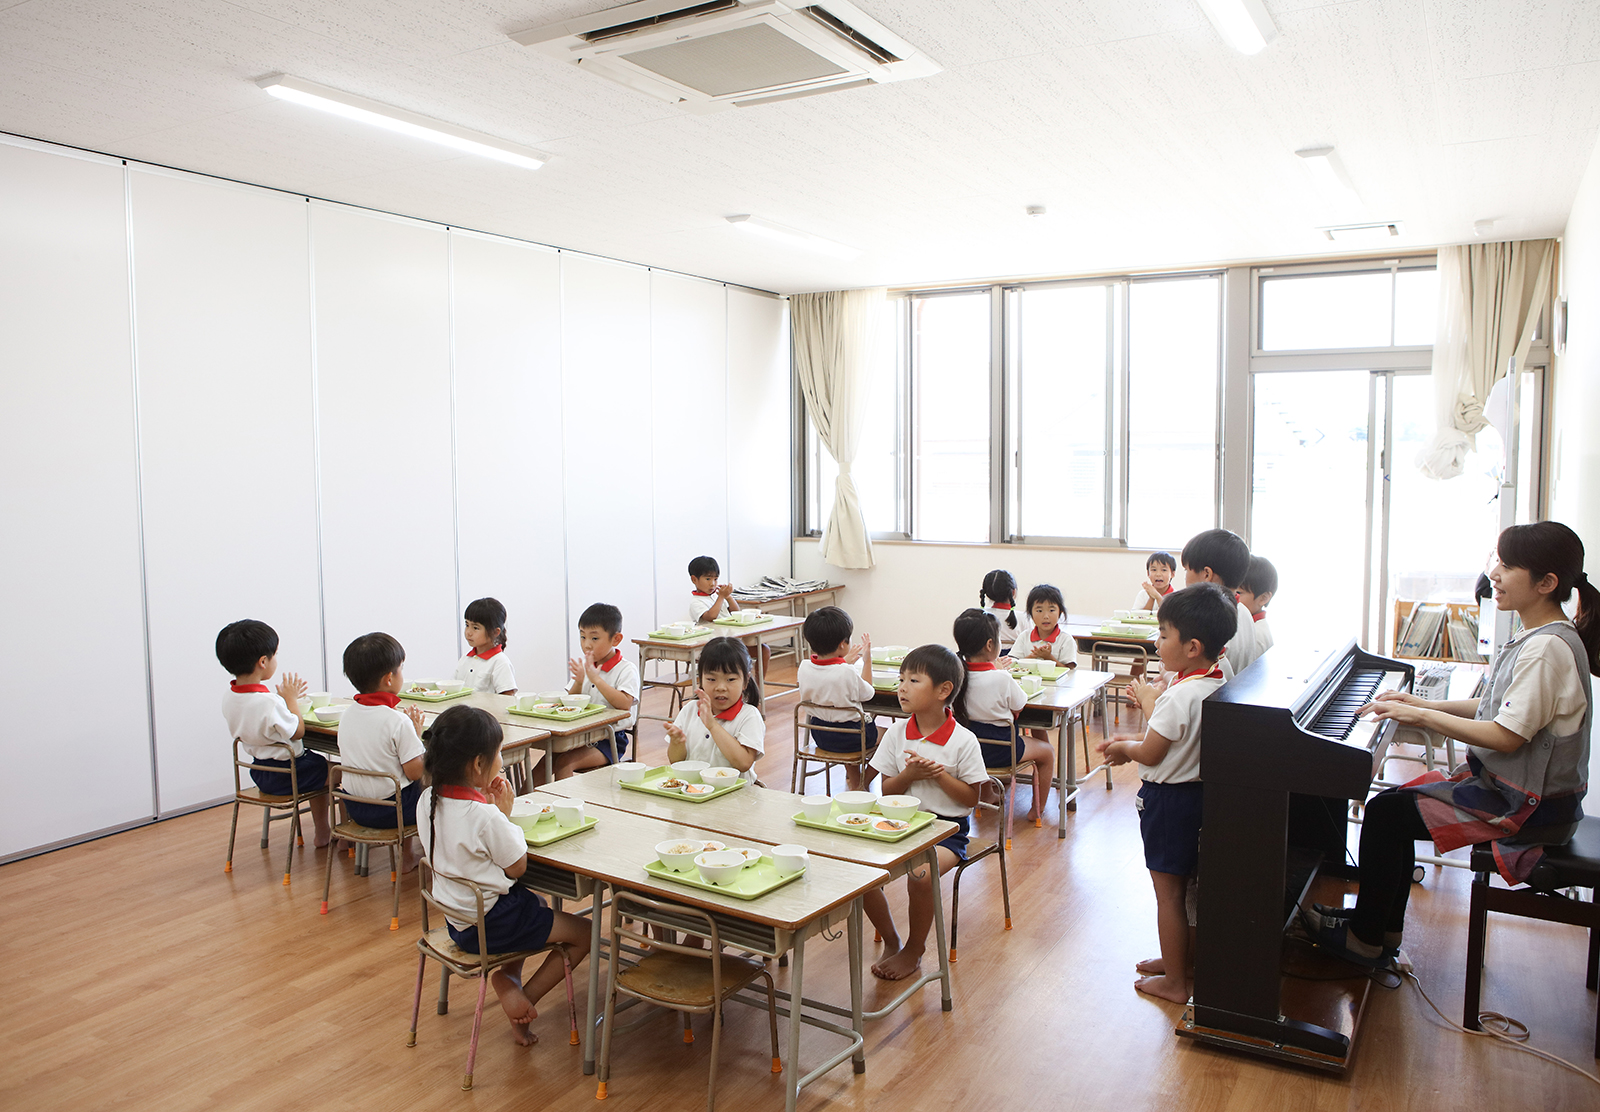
1408, 710
677, 740
921, 768
619, 699
577, 668
864, 650
290, 691
738, 756
413, 768
1149, 751
1041, 651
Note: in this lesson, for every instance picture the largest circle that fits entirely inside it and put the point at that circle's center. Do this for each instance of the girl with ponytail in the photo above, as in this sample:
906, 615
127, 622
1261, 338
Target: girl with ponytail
998, 598
988, 704
722, 725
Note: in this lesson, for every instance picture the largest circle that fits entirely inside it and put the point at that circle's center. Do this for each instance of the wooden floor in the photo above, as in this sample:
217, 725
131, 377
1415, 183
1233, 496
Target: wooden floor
137, 975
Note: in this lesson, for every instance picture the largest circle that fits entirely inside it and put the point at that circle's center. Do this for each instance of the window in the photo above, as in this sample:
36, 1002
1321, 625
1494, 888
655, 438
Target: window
1352, 309
950, 361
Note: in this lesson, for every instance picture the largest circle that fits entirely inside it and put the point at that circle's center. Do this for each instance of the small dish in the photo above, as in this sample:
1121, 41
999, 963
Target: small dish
751, 855
698, 789
712, 845
673, 784
531, 806
890, 826
855, 819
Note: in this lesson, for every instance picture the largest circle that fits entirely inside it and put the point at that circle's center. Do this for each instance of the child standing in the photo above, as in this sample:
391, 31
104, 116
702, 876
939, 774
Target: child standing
1220, 557
601, 672
377, 735
1260, 584
988, 705
832, 678
1046, 640
1194, 625
722, 725
998, 598
270, 728
932, 756
1159, 568
486, 667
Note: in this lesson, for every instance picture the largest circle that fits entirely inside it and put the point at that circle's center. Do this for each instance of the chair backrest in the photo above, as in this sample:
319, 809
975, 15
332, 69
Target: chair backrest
238, 763
1011, 748
425, 874
1106, 655
672, 916
802, 721
340, 795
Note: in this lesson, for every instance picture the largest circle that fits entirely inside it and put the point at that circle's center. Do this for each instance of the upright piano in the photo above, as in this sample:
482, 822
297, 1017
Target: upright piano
1281, 754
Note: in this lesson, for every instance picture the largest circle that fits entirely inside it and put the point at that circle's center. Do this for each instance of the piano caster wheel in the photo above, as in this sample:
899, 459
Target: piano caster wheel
1417, 873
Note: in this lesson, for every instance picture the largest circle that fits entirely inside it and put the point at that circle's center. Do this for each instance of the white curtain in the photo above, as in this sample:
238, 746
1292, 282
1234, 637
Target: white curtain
835, 339
1490, 298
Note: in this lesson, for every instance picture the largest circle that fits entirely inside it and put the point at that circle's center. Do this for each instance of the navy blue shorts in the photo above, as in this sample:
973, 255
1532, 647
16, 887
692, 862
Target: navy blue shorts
839, 737
519, 920
994, 756
310, 768
381, 816
1169, 823
622, 747
956, 842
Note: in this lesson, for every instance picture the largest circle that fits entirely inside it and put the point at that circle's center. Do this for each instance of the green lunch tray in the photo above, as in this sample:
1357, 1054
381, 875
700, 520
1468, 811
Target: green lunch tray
1125, 634
667, 635
736, 622
441, 697
559, 716
754, 880
661, 772
314, 719
544, 830
918, 821
887, 683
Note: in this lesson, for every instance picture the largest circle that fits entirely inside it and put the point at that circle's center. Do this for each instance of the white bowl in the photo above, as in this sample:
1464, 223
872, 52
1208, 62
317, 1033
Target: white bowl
899, 806
451, 685
888, 652
817, 807
319, 698
552, 696
1032, 685
678, 628
789, 858
718, 777
632, 772
532, 807
431, 685
578, 700
332, 713
690, 770
855, 803
676, 854
722, 866
569, 812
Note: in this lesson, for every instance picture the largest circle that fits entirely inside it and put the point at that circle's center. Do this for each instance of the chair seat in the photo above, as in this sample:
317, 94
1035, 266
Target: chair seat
682, 979
1574, 865
256, 795
828, 755
373, 835
439, 941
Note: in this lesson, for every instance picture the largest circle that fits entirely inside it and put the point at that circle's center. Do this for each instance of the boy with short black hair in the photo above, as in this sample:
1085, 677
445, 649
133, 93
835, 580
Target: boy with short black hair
1194, 625
708, 600
1255, 592
831, 678
1220, 557
376, 734
601, 672
1159, 569
269, 728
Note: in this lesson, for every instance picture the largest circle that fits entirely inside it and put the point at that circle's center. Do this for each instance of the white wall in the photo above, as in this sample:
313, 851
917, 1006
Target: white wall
760, 440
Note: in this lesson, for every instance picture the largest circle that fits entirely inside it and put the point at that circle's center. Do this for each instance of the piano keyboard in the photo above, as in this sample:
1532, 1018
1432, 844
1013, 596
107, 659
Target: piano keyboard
1337, 720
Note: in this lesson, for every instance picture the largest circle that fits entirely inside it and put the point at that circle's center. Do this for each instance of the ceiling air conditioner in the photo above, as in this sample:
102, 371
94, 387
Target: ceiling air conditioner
732, 53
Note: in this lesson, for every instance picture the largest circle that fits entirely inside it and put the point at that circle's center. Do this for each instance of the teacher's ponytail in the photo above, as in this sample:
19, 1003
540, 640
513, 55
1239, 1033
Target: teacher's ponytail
1550, 548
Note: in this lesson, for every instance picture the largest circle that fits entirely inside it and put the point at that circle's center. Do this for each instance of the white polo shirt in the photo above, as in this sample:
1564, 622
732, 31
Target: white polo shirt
1007, 634
472, 840
489, 672
699, 604
952, 745
1141, 601
747, 726
1241, 649
622, 674
1064, 648
992, 696
1262, 632
262, 722
1176, 717
378, 737
833, 683
1545, 689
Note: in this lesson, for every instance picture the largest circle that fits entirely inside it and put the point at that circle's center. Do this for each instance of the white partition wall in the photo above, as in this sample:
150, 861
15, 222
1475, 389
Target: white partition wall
506, 315
225, 412
759, 450
383, 380
73, 630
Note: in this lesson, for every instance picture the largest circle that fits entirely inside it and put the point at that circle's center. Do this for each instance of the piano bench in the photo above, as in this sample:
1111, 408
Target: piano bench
1574, 865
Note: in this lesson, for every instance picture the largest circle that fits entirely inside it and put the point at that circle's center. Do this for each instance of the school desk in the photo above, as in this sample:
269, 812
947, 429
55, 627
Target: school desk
780, 628
1082, 630
591, 729
516, 743
615, 853
796, 603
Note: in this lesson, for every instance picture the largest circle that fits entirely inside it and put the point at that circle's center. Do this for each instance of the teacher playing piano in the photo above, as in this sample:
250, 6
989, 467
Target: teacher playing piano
1527, 747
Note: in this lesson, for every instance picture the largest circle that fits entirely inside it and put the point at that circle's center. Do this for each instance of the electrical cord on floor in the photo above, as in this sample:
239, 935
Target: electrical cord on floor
1512, 1032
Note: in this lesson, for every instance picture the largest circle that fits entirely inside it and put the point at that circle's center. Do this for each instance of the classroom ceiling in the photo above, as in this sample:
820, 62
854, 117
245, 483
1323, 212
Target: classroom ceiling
1149, 141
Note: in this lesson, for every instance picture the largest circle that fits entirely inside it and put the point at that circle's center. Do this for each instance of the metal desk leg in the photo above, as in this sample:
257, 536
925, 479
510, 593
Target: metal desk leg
938, 931
791, 1082
1070, 784
594, 976
1067, 737
550, 761
859, 1062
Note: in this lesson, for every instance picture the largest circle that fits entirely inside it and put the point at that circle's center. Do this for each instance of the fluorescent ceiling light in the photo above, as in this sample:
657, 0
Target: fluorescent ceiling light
1329, 175
353, 107
793, 236
1243, 24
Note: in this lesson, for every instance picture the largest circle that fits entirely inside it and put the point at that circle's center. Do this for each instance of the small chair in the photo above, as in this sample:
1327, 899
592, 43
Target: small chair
1005, 777
1574, 865
437, 944
806, 751
352, 831
977, 850
1106, 656
678, 977
677, 687
290, 804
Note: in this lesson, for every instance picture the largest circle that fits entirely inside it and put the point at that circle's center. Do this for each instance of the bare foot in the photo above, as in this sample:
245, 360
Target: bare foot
408, 863
1151, 967
518, 1008
322, 839
1165, 988
897, 965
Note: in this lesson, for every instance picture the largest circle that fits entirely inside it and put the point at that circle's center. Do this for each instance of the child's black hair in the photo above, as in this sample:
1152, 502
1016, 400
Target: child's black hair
940, 665
1045, 592
369, 658
1550, 548
1205, 612
1000, 586
457, 738
826, 628
603, 615
1262, 578
704, 565
1223, 552
974, 631
1160, 558
491, 615
241, 645
728, 654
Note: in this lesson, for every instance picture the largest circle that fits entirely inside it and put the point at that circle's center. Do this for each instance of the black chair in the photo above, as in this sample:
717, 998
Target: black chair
1574, 865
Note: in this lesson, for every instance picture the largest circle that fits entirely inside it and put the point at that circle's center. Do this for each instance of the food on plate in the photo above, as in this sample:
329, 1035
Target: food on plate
855, 820
890, 826
673, 784
698, 789
713, 846
751, 855
685, 847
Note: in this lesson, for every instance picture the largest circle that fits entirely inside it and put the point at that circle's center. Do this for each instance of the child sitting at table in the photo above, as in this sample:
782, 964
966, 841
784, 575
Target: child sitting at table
833, 679
708, 601
1194, 625
988, 705
486, 667
1159, 568
998, 598
933, 757
378, 735
268, 727
722, 724
601, 672
1220, 557
1046, 639
1260, 584
467, 834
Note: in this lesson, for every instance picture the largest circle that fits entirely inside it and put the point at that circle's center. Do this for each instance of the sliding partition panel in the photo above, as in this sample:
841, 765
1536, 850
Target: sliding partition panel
225, 414
760, 460
73, 632
382, 325
689, 349
506, 318
605, 408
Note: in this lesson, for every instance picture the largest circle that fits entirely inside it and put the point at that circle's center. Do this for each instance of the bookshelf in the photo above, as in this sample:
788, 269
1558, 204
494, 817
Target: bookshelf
1455, 611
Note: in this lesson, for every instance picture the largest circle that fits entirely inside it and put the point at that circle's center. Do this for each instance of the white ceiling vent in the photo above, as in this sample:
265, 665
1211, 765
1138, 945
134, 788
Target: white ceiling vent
721, 53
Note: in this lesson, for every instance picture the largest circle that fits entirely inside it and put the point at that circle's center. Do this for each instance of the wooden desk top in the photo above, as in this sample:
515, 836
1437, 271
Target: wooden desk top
750, 812
784, 623
1068, 693
621, 844
1083, 632
513, 733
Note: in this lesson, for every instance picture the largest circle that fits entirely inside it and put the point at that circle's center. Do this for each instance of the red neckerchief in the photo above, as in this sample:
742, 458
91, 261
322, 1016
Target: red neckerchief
378, 699
1168, 591
732, 712
457, 791
1256, 617
1213, 673
496, 651
702, 594
611, 661
245, 688
939, 736
815, 659
1001, 605
989, 667
1033, 634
